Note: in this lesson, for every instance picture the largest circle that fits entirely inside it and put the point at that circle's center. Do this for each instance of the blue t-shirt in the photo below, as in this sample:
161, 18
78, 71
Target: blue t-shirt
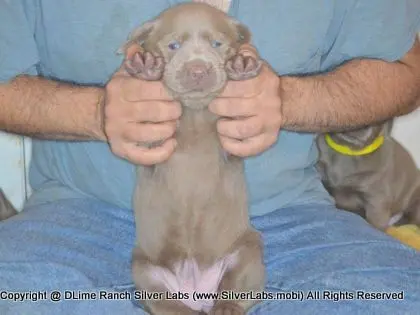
77, 40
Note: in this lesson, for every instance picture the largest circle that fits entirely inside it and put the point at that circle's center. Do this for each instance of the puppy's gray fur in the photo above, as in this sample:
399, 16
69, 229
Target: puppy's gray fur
195, 204
6, 208
376, 186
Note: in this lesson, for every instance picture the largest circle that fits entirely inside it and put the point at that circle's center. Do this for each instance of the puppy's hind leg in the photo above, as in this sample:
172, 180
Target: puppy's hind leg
378, 213
248, 275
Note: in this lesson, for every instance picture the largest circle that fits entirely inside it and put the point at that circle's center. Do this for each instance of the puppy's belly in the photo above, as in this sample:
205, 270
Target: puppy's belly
189, 278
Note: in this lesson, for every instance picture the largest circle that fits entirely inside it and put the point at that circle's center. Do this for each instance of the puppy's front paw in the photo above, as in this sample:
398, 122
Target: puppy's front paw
243, 68
145, 66
227, 308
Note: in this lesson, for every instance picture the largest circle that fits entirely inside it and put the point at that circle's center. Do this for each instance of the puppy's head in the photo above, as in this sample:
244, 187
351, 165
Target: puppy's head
359, 138
195, 41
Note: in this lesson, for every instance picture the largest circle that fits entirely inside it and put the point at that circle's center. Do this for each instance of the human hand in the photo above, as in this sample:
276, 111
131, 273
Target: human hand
139, 112
250, 111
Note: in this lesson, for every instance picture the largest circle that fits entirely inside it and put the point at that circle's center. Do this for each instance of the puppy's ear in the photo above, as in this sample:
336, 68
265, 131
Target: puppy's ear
138, 36
243, 33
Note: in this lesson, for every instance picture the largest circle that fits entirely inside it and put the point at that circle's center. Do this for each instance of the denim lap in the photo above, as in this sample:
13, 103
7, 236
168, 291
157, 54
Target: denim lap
84, 245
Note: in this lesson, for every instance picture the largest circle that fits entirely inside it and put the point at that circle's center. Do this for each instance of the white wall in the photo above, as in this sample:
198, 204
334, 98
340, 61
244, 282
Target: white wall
407, 132
13, 168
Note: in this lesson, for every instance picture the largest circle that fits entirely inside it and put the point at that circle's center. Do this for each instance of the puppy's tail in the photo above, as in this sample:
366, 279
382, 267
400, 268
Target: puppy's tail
6, 208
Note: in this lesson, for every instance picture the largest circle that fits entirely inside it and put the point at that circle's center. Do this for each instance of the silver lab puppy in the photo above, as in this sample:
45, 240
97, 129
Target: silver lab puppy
383, 186
193, 230
6, 208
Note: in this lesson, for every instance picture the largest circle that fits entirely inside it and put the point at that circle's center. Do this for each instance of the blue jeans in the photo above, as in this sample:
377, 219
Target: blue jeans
84, 247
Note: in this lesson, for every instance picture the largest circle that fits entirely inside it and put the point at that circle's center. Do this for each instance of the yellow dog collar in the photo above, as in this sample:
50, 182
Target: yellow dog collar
375, 145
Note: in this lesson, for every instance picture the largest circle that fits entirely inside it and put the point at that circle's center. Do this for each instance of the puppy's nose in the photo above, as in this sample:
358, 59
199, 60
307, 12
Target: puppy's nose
198, 71
197, 75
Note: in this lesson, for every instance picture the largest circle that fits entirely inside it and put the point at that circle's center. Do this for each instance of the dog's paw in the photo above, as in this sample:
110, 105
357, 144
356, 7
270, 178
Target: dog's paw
243, 68
228, 308
145, 66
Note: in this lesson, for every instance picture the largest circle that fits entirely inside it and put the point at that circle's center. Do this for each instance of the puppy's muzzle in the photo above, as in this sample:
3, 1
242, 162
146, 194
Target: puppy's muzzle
197, 75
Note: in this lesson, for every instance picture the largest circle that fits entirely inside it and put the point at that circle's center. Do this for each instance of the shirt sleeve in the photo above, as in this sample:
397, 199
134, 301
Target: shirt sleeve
18, 49
378, 29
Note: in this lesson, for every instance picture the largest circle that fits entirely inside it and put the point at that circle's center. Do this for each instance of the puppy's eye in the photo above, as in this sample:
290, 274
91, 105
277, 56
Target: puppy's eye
174, 45
215, 44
